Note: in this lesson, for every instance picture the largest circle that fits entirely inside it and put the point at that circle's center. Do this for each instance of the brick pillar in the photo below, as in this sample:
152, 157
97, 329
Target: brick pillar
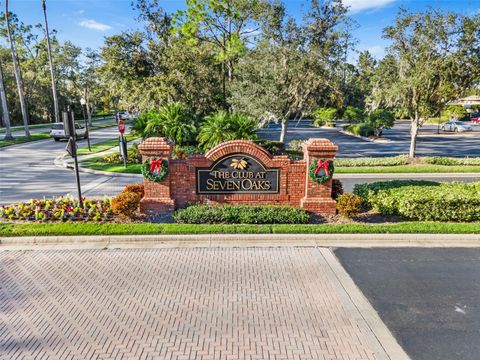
157, 197
318, 197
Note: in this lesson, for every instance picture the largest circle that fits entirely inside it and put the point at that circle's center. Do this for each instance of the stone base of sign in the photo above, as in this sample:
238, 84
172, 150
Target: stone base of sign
277, 180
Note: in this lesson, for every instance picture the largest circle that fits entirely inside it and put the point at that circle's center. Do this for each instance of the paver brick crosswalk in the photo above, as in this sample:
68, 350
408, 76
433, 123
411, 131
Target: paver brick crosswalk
230, 303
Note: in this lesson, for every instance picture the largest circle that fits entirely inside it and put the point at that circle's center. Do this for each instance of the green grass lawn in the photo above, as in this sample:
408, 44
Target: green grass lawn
57, 229
118, 168
421, 168
23, 139
103, 145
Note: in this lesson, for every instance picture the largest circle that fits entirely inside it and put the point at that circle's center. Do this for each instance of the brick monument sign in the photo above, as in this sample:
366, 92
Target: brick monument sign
238, 172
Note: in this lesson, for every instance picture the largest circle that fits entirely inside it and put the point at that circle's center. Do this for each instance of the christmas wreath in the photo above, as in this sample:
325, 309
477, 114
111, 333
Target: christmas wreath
321, 170
155, 169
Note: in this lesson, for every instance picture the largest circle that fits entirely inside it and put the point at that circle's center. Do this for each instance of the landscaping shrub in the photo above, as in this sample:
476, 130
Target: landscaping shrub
381, 119
449, 202
449, 161
241, 214
353, 114
273, 147
183, 152
126, 204
423, 200
349, 205
337, 188
362, 129
133, 156
135, 188
330, 123
379, 161
369, 190
322, 116
454, 112
58, 209
296, 144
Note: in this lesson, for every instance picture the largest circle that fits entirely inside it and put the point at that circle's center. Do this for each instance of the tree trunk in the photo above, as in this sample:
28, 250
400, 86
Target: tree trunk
18, 74
5, 114
413, 136
89, 114
52, 72
283, 133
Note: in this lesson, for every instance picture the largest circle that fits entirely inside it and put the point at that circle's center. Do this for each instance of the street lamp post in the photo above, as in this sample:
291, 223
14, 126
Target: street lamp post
83, 102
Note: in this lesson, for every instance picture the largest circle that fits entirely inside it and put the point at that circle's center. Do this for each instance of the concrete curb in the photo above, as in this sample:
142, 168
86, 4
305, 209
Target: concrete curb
242, 240
61, 162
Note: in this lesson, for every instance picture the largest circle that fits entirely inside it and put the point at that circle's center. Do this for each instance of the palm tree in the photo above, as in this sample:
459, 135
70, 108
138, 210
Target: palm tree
50, 59
5, 115
18, 74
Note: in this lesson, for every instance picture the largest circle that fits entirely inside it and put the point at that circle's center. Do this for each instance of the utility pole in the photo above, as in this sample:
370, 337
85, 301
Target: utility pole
18, 74
5, 114
52, 71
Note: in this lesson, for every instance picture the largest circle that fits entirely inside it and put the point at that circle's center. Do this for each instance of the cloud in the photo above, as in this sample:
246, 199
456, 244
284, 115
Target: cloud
377, 51
360, 5
95, 25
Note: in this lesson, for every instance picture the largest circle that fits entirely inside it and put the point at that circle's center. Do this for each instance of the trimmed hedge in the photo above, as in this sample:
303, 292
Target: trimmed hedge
443, 160
423, 200
241, 214
361, 129
379, 161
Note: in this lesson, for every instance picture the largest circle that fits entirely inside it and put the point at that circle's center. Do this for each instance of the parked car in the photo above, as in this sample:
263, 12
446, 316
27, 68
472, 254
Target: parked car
456, 126
122, 115
475, 116
57, 132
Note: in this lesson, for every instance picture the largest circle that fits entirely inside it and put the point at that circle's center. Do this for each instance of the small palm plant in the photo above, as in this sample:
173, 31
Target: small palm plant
214, 130
154, 125
178, 122
221, 126
243, 126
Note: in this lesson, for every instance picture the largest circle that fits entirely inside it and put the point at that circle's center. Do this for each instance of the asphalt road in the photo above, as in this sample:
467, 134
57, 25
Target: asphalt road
27, 171
429, 298
429, 142
21, 132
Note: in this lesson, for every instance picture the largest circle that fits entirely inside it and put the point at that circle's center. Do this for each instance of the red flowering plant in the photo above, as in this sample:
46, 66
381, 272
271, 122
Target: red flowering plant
59, 209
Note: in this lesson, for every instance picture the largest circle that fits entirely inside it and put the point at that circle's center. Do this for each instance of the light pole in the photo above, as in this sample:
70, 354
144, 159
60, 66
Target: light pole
83, 102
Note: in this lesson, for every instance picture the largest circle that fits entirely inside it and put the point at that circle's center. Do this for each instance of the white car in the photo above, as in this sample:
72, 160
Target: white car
456, 126
57, 132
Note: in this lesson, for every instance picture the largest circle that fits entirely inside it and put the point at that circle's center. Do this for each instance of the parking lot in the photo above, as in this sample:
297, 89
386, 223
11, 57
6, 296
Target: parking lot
429, 143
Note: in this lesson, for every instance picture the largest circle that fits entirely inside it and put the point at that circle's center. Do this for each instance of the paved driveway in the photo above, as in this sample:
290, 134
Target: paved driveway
231, 303
429, 298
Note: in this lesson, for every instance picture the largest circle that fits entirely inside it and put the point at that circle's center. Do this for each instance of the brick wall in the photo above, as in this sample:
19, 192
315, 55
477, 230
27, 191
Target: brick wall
179, 188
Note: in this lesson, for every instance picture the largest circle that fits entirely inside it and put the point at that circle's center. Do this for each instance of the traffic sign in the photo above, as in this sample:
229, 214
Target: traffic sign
121, 126
71, 147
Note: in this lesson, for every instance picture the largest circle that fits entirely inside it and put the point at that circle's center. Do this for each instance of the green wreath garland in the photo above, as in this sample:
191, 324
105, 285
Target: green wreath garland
323, 178
157, 175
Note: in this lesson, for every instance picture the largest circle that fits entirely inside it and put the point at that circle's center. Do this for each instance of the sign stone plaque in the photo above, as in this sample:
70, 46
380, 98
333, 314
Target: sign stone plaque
237, 174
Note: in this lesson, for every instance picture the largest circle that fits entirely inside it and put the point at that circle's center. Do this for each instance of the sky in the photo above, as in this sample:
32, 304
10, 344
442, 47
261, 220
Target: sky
87, 22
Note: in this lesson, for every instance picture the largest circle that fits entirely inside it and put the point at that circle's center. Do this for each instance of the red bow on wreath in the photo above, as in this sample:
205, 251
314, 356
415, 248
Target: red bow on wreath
155, 165
322, 165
